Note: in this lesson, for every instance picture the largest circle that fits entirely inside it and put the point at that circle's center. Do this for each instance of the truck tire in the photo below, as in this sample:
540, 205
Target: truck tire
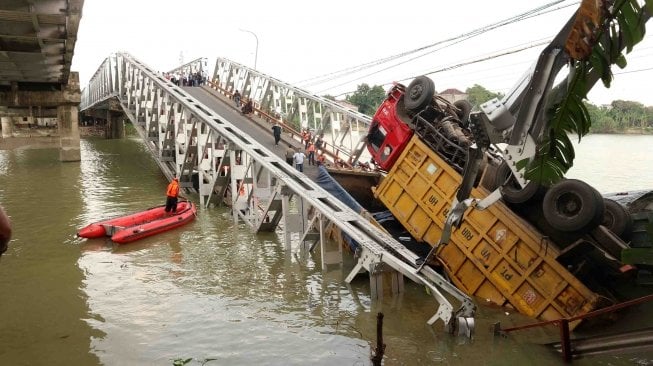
600, 212
572, 205
511, 191
617, 219
419, 94
465, 109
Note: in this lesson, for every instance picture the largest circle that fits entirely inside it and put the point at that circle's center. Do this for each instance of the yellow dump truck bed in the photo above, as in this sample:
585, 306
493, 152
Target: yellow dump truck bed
495, 254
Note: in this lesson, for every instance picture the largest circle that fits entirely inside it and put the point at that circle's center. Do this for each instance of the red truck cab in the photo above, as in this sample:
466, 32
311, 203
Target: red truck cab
389, 133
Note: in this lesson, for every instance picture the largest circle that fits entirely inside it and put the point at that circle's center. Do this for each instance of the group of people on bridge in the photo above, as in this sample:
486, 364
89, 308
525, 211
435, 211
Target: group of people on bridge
313, 150
192, 79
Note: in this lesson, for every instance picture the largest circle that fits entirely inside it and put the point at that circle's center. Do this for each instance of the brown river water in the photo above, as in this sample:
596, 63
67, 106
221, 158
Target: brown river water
218, 294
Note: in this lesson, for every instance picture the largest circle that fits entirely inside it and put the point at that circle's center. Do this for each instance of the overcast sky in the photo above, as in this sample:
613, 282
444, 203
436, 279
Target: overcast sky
299, 40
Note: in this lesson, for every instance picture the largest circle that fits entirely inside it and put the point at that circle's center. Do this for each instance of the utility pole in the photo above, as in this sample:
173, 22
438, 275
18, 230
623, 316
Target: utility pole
256, 51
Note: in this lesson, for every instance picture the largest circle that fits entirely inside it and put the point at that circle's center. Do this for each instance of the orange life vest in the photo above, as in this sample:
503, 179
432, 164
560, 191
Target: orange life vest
173, 189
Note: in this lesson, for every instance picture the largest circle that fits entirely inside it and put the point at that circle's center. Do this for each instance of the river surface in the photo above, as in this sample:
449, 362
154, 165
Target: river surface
213, 291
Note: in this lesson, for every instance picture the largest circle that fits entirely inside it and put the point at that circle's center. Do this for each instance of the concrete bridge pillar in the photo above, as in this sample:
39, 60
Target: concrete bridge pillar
7, 125
68, 117
115, 125
48, 99
68, 120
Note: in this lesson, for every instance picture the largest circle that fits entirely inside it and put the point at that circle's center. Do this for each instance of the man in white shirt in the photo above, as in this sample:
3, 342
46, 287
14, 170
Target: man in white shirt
299, 160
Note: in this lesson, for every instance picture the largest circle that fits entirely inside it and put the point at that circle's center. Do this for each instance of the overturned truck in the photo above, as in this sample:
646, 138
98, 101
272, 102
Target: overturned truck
467, 183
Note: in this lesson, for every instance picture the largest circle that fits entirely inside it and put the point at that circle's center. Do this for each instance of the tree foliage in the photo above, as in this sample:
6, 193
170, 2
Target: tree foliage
621, 116
622, 27
478, 95
367, 98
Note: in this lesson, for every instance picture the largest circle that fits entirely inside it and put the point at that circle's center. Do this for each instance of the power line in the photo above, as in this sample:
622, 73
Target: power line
487, 59
465, 36
455, 40
632, 71
447, 68
406, 61
534, 42
483, 59
631, 57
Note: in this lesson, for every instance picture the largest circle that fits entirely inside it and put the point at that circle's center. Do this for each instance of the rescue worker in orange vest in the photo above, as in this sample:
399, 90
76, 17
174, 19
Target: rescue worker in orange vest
171, 195
321, 159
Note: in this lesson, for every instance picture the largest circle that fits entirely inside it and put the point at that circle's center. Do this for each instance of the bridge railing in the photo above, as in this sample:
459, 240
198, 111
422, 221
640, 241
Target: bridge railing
332, 152
343, 126
103, 84
197, 66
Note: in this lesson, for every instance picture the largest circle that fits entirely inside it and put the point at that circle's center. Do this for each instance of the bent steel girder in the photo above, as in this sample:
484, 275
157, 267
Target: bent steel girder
213, 157
274, 96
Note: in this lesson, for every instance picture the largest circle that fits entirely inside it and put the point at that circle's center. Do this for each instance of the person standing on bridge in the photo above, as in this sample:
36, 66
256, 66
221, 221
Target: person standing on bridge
311, 153
318, 143
171, 195
290, 155
237, 99
276, 131
299, 160
307, 138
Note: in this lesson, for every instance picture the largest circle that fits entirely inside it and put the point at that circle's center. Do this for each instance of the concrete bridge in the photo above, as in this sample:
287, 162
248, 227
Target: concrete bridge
37, 88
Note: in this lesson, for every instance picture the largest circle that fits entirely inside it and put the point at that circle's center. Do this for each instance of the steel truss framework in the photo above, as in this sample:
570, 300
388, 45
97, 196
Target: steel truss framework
276, 97
192, 67
216, 160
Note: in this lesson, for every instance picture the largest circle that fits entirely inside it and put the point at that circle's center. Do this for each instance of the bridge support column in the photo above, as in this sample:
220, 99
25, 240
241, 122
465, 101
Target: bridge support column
68, 120
395, 279
115, 128
376, 286
7, 126
285, 207
328, 254
68, 116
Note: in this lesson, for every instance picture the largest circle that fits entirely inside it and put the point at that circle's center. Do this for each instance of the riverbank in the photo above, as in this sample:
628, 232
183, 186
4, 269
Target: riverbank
629, 131
44, 138
29, 142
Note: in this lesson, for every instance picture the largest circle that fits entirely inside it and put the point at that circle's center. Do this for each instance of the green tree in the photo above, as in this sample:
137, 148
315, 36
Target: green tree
621, 27
628, 114
601, 121
648, 113
478, 95
367, 98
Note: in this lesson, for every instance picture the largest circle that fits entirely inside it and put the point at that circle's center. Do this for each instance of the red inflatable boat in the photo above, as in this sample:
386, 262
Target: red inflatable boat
139, 225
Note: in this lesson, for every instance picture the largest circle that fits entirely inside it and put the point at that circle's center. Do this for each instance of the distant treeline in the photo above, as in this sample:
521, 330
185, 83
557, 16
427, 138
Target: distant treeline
621, 116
